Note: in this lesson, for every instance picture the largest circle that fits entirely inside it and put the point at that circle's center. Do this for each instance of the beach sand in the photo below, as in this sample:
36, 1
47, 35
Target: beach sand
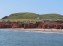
33, 30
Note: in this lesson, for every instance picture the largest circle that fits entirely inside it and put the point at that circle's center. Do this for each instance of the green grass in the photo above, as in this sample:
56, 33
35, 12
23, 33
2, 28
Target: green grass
51, 16
22, 16
20, 20
31, 17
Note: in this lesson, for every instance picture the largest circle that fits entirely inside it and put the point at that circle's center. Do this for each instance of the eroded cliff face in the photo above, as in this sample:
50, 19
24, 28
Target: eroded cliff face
44, 25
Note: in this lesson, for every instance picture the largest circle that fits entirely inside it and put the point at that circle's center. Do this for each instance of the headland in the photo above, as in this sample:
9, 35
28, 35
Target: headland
32, 21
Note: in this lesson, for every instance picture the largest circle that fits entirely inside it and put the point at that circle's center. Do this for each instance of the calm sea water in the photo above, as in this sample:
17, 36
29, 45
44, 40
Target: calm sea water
19, 38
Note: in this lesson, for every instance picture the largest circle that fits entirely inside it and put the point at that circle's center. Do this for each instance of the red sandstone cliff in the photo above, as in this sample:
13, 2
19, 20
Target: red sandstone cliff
45, 25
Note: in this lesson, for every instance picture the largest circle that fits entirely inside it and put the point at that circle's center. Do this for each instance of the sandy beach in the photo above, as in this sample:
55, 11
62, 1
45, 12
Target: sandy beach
33, 30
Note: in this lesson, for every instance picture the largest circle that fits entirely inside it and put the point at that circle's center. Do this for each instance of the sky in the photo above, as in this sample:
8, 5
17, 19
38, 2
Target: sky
8, 7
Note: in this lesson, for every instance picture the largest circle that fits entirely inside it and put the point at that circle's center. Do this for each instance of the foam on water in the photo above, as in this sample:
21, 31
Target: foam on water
36, 31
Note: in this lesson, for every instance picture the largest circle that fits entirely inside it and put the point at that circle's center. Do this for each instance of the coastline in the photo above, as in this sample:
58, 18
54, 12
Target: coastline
33, 30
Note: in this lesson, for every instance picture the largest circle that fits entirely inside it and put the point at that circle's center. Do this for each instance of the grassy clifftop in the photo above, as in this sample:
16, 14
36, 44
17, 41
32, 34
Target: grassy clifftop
22, 16
51, 16
28, 15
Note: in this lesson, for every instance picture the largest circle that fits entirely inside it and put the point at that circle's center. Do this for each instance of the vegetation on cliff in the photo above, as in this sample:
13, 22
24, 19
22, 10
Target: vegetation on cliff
32, 16
28, 15
51, 16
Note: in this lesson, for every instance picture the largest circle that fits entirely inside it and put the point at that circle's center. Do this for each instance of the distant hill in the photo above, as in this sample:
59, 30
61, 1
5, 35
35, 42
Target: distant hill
51, 16
25, 15
28, 15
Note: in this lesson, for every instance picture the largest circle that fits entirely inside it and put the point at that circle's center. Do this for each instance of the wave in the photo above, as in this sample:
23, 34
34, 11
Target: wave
35, 30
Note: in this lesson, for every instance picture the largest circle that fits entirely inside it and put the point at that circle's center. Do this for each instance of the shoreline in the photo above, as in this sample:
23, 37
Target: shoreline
34, 30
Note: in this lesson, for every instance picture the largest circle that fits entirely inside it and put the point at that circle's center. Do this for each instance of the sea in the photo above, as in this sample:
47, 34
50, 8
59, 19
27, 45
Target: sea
11, 37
